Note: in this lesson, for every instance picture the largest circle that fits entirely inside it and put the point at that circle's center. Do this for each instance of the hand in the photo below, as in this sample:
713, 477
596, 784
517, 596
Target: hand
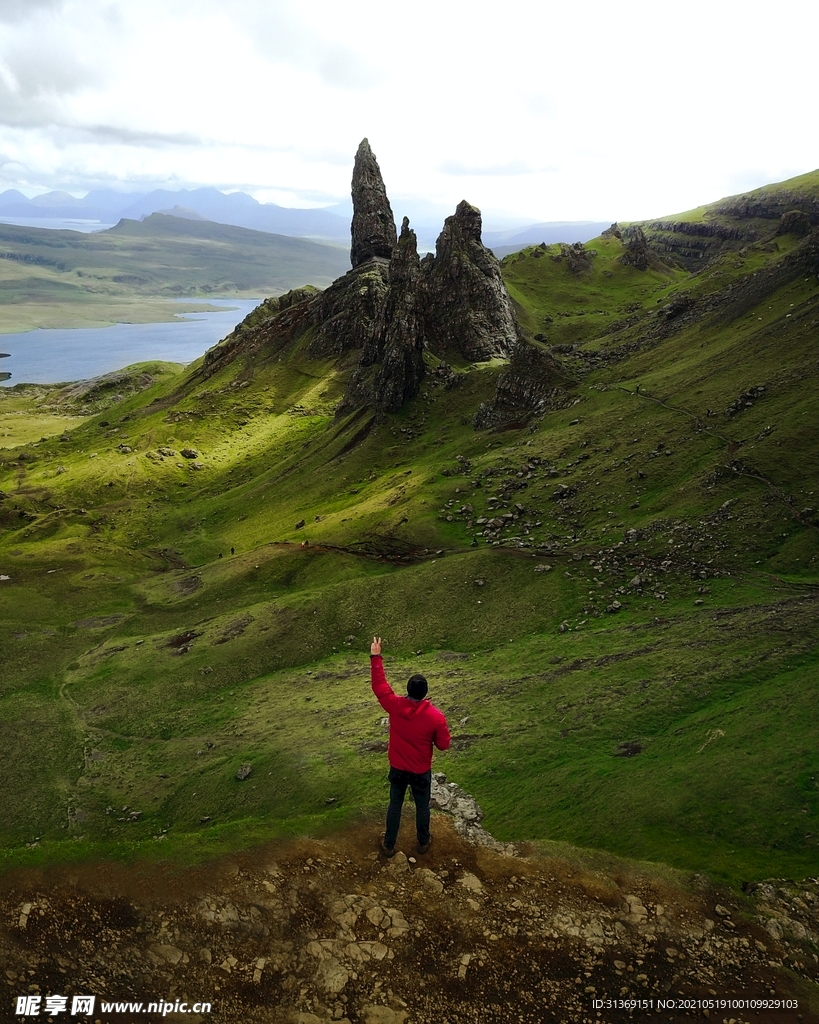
375, 646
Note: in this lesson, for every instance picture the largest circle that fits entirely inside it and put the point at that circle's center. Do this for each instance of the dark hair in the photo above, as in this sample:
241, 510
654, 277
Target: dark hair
417, 687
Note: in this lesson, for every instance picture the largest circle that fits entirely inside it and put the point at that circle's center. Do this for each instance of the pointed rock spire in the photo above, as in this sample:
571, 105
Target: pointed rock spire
402, 332
469, 311
373, 227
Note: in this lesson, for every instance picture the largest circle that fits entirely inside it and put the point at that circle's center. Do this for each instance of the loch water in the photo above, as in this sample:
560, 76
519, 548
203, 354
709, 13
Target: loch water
59, 356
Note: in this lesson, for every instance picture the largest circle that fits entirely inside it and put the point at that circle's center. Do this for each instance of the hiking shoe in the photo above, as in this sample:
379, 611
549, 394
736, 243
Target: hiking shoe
424, 847
388, 851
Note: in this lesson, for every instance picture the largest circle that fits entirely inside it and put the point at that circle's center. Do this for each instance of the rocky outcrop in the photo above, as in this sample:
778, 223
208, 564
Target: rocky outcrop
453, 304
309, 932
577, 257
794, 222
391, 307
466, 813
743, 219
468, 310
769, 205
533, 383
391, 367
347, 314
637, 253
401, 331
373, 227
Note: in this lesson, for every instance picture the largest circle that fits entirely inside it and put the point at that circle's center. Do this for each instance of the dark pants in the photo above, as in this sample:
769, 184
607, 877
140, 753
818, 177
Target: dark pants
420, 787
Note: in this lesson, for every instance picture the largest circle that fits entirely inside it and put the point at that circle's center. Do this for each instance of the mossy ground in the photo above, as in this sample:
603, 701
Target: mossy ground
164, 624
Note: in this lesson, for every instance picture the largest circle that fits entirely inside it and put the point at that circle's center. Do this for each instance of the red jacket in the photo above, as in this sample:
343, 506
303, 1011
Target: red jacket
414, 724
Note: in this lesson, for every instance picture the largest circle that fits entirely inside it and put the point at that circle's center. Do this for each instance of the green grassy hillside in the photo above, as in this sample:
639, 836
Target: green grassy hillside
628, 662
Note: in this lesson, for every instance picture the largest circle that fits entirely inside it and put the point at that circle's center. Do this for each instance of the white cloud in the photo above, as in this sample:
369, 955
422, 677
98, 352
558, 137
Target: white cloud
542, 109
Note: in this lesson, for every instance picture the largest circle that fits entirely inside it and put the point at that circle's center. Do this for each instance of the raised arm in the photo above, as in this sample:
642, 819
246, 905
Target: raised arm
381, 688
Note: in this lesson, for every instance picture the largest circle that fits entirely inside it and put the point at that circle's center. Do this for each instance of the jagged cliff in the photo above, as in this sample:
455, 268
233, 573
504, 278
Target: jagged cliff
391, 307
733, 223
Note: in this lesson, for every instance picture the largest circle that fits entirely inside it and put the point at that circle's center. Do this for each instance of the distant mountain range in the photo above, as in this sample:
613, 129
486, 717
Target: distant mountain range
103, 208
504, 242
62, 278
237, 208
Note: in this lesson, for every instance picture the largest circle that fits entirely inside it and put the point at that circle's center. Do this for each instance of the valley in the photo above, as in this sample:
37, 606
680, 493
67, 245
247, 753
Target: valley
582, 501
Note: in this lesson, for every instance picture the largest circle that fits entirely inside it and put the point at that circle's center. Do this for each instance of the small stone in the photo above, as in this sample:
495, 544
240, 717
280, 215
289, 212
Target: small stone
170, 954
470, 881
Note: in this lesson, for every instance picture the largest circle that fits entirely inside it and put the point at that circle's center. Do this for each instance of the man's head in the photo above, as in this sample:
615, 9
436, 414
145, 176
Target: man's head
417, 687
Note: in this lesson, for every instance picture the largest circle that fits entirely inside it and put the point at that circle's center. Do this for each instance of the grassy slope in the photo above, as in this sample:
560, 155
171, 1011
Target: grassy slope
62, 278
804, 185
134, 681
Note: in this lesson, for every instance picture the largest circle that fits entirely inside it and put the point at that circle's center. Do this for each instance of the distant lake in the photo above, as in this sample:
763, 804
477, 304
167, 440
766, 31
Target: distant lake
57, 356
58, 223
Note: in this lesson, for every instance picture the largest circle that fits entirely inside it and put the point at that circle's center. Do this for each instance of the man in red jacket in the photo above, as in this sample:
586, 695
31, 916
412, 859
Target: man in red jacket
415, 725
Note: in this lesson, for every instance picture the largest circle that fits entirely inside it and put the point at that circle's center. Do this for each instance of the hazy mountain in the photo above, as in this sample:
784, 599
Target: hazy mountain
331, 223
237, 208
161, 255
513, 239
12, 198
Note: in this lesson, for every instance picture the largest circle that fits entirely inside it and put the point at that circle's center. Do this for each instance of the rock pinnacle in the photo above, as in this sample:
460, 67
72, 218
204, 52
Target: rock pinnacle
373, 227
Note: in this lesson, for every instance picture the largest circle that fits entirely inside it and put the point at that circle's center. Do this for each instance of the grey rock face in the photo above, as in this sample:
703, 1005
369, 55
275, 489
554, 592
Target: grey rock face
794, 222
347, 314
468, 310
637, 253
533, 383
401, 334
391, 367
373, 227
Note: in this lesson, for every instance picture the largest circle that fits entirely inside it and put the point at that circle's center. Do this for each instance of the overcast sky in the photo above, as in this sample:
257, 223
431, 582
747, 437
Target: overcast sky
537, 110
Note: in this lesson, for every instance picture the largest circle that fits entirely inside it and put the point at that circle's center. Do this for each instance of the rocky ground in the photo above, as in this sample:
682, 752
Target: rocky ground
316, 930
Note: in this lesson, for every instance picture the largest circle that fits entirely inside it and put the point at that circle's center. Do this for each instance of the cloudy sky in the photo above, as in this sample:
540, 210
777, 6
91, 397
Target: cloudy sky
533, 111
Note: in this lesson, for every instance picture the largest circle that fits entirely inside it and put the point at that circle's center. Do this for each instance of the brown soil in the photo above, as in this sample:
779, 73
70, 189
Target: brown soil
308, 931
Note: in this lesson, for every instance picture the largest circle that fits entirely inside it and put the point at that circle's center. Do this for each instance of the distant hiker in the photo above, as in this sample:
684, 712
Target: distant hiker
233, 551
415, 725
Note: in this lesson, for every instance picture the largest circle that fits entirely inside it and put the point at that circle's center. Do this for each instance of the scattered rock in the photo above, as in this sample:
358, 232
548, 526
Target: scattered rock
327, 932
